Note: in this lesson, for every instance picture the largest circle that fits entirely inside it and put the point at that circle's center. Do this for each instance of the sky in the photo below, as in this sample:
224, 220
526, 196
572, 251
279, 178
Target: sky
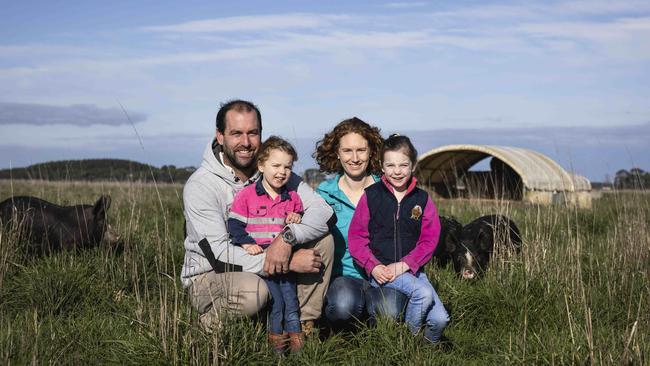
143, 80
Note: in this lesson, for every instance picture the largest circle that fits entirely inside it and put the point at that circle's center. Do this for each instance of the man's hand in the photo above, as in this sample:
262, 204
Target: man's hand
382, 274
277, 257
252, 249
293, 218
306, 261
397, 269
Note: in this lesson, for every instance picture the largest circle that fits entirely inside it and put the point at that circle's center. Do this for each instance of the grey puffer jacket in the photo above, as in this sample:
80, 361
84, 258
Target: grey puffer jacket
207, 197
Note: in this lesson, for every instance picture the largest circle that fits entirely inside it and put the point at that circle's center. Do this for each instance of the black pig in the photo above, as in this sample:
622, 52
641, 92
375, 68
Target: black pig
477, 243
450, 234
49, 227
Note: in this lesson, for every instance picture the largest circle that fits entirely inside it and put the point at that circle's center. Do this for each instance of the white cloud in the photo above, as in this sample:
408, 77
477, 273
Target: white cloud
78, 114
486, 13
37, 49
405, 5
276, 45
249, 23
344, 40
525, 11
606, 7
617, 30
619, 40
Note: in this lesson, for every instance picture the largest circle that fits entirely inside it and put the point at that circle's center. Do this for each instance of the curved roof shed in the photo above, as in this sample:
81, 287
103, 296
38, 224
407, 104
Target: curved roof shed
538, 173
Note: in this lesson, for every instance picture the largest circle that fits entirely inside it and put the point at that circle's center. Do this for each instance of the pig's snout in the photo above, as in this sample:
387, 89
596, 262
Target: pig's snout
110, 236
469, 274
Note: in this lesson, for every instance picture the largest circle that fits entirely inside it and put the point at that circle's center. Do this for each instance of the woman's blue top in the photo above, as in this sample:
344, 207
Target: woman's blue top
343, 209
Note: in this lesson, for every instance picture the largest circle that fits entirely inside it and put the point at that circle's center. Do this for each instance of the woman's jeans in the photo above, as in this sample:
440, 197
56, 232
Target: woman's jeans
284, 304
349, 300
424, 305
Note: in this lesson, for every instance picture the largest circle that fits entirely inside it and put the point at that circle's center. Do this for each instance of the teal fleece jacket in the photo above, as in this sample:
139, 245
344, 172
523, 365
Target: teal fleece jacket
344, 265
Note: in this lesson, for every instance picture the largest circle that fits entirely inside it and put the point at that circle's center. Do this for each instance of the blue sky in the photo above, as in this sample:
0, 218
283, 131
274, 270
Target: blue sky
569, 79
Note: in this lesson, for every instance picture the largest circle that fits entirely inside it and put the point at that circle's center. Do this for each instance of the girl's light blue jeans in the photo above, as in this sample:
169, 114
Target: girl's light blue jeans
349, 299
424, 307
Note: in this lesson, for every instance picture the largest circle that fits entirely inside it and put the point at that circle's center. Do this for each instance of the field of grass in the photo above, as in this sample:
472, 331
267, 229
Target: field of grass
579, 293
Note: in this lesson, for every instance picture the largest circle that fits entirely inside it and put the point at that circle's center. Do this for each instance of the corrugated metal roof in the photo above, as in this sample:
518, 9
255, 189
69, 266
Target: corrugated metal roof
537, 171
580, 183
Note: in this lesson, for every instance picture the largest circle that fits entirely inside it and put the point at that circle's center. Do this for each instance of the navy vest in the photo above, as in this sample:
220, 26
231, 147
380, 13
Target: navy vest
394, 228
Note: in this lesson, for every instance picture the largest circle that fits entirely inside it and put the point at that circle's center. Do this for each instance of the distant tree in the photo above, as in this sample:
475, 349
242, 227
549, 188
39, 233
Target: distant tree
637, 171
636, 178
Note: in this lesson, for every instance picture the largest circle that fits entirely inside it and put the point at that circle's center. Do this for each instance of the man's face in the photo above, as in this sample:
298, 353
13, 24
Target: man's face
240, 139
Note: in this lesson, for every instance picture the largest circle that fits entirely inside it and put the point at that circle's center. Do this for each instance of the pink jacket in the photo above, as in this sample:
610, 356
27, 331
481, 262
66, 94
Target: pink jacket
256, 218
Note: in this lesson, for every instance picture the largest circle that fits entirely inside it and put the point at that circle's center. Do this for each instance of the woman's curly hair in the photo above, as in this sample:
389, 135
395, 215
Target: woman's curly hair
326, 149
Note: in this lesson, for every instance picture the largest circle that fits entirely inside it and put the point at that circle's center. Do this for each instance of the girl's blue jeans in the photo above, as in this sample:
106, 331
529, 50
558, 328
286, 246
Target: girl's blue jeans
350, 300
285, 309
424, 306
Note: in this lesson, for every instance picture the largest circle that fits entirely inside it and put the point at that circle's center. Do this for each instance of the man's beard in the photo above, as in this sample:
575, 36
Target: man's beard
232, 159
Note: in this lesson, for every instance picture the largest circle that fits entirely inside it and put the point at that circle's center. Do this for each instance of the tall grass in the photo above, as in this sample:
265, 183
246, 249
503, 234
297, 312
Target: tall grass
578, 293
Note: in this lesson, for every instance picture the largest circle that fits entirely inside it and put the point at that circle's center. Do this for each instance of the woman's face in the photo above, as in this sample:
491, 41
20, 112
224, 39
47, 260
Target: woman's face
354, 154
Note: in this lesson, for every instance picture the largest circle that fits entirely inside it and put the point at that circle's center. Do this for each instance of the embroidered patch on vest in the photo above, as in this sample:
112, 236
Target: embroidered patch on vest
416, 212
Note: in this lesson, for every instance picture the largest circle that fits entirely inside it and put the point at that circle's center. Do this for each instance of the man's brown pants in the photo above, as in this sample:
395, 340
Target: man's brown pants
242, 293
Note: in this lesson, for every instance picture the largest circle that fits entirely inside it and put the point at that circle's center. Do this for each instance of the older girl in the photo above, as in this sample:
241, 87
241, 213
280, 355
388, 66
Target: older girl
393, 234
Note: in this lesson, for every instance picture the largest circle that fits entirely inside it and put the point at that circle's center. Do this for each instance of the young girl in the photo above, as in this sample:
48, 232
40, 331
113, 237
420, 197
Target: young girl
393, 233
258, 214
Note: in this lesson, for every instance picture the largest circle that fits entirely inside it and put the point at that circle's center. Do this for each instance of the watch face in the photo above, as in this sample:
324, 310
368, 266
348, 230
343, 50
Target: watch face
288, 236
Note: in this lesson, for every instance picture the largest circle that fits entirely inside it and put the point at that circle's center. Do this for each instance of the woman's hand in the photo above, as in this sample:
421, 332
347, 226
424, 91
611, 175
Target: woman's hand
397, 269
252, 249
382, 274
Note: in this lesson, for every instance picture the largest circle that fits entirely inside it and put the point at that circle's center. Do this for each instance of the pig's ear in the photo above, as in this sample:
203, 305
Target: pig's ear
455, 221
484, 240
450, 243
102, 204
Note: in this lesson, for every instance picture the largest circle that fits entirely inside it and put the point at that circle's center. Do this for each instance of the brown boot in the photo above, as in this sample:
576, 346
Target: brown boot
278, 342
307, 327
296, 341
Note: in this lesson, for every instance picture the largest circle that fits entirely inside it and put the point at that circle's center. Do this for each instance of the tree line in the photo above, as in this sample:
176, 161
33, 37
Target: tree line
127, 170
99, 170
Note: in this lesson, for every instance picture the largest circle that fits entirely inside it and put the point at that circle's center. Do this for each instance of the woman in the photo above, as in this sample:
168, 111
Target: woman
351, 150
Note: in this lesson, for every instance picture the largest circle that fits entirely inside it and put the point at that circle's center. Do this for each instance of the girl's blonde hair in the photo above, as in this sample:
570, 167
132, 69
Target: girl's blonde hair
272, 143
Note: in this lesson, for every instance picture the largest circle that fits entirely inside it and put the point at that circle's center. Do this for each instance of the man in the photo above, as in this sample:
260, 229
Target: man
234, 286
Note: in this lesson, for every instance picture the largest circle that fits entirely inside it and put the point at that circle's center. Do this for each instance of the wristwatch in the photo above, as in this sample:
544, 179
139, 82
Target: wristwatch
288, 236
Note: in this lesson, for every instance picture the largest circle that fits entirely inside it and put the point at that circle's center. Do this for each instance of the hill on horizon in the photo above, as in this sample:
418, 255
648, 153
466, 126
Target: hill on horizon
99, 170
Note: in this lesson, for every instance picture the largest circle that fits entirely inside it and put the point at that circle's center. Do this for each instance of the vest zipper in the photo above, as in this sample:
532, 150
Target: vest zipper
396, 233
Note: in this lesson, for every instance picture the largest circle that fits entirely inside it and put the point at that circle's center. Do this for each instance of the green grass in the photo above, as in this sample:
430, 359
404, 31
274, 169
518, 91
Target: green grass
579, 293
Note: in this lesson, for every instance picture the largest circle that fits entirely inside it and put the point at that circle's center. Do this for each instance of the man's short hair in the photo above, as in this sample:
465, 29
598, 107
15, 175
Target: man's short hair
239, 106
